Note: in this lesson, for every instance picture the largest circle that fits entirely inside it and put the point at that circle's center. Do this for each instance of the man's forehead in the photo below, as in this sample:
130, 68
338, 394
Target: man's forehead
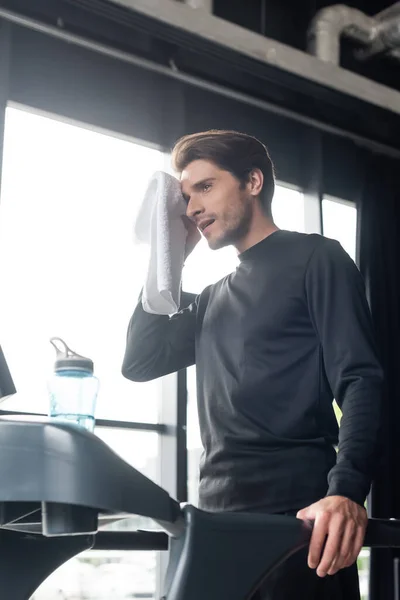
196, 171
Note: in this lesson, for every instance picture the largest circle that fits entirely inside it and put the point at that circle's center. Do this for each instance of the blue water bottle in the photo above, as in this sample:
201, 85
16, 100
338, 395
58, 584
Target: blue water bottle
72, 388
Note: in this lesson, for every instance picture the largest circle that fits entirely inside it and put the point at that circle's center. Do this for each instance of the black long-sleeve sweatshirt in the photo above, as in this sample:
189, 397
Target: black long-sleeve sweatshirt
274, 343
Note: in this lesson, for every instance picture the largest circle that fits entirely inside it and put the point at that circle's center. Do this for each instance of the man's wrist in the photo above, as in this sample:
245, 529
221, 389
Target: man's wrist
347, 490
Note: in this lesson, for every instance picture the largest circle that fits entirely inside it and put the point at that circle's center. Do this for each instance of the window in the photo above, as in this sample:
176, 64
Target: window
102, 575
68, 264
69, 268
340, 223
205, 266
138, 448
288, 209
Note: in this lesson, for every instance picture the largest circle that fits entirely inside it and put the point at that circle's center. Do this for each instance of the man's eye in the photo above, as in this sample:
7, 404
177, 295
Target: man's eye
206, 187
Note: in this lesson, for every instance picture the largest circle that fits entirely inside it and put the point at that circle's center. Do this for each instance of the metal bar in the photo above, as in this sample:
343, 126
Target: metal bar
396, 583
7, 386
313, 187
382, 533
220, 89
135, 426
130, 540
263, 18
167, 457
168, 442
5, 45
182, 453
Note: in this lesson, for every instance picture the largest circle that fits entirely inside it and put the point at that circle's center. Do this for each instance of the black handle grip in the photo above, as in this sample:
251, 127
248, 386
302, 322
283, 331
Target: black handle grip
383, 533
380, 533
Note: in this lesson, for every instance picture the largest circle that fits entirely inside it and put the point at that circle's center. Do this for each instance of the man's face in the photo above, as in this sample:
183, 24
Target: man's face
216, 203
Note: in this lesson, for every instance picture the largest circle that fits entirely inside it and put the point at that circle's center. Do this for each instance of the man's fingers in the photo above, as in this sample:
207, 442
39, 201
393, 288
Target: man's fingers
357, 546
303, 513
346, 549
359, 541
348, 540
333, 544
318, 538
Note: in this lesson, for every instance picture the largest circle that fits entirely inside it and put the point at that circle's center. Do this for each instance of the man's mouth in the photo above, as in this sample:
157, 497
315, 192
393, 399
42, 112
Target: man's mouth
204, 226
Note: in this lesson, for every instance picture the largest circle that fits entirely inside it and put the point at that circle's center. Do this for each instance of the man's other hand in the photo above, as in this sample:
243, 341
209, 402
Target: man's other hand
338, 534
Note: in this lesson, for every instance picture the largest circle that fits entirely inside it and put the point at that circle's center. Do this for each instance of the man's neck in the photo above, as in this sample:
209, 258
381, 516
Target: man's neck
260, 229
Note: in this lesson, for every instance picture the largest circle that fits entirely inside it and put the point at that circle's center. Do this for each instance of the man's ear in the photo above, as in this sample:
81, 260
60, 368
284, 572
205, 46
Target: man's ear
256, 182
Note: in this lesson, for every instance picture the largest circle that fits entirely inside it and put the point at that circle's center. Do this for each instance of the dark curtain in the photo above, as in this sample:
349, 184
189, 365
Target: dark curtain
379, 261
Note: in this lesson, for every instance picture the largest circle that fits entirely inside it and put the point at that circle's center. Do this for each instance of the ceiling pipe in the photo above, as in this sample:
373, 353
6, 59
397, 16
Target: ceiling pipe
380, 34
330, 24
387, 39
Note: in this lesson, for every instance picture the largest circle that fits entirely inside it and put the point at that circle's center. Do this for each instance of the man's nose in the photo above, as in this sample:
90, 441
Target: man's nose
194, 208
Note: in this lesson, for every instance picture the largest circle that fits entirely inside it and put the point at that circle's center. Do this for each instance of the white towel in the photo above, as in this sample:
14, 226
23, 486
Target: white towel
159, 224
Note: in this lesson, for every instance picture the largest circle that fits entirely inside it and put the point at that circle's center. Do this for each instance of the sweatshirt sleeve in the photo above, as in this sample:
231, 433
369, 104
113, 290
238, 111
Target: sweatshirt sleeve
341, 317
157, 345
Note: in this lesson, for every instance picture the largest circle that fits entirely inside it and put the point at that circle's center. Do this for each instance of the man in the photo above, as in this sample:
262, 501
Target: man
273, 344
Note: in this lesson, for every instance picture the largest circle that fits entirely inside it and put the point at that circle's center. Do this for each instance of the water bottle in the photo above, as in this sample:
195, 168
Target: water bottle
72, 388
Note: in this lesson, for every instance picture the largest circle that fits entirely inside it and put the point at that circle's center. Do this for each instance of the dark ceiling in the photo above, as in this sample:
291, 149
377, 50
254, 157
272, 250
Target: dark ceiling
132, 32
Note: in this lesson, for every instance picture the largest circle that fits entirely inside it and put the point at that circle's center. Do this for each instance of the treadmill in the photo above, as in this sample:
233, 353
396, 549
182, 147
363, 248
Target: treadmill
60, 485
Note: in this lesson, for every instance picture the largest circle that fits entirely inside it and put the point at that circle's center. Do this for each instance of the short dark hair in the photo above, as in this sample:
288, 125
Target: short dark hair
231, 151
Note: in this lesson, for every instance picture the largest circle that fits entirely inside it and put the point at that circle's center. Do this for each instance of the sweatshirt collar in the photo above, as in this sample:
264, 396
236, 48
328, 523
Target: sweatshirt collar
258, 250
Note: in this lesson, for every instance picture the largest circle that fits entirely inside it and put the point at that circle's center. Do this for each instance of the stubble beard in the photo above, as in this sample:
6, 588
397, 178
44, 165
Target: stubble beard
236, 228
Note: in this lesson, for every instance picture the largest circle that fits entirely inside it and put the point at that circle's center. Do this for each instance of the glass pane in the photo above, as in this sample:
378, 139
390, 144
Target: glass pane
288, 209
363, 563
137, 448
140, 449
102, 575
68, 263
340, 223
205, 266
